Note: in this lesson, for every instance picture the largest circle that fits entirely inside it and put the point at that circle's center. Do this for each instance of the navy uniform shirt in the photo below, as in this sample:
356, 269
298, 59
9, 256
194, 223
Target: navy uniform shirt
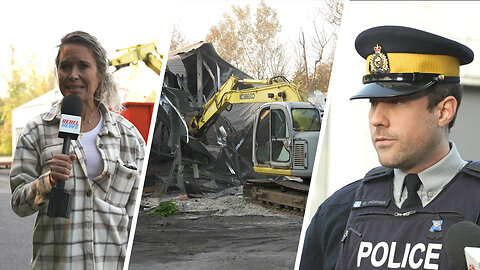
322, 240
323, 237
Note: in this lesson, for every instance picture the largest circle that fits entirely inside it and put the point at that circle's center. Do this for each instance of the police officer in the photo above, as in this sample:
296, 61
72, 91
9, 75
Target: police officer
397, 216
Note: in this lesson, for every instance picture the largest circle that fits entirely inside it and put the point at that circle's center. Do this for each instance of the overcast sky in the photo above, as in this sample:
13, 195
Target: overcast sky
35, 27
292, 15
198, 16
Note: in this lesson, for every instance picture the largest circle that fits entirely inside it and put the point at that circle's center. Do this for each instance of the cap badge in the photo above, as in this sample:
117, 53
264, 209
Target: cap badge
378, 61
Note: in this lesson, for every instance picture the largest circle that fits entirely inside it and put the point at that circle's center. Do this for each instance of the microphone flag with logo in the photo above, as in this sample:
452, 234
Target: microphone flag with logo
70, 122
459, 236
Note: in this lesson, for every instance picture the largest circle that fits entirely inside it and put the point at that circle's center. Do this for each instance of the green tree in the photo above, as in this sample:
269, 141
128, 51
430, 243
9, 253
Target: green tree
250, 41
24, 84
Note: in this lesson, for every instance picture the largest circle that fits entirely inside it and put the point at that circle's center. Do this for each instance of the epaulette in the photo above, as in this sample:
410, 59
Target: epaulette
472, 168
377, 172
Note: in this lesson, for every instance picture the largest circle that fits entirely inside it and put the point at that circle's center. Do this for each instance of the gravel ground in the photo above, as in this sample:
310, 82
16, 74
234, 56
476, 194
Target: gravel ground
226, 203
219, 231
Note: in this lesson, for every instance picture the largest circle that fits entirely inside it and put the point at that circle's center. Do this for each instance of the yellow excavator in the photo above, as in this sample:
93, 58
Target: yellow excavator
142, 52
285, 136
271, 90
285, 131
286, 126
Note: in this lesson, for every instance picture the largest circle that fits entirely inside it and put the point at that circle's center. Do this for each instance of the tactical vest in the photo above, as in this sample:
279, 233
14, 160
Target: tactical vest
379, 235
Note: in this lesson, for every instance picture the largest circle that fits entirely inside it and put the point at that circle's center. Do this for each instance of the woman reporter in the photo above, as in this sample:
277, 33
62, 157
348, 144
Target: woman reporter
102, 170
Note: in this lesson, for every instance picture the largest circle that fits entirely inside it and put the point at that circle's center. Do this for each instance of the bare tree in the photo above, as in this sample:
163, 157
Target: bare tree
333, 12
276, 61
178, 39
321, 39
323, 43
304, 63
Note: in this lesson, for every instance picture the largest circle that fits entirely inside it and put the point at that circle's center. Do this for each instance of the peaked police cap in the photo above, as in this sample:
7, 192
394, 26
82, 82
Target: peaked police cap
403, 60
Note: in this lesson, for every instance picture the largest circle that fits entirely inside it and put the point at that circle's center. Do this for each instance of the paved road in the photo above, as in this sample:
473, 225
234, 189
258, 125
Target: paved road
15, 232
244, 239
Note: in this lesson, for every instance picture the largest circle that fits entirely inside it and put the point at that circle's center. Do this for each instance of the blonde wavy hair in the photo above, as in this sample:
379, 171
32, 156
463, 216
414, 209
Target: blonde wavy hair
107, 91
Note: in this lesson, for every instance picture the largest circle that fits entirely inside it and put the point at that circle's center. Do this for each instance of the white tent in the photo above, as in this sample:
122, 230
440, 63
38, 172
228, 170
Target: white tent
25, 112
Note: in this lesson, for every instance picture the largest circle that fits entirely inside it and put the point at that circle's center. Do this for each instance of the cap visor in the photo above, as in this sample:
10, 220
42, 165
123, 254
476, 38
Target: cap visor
391, 89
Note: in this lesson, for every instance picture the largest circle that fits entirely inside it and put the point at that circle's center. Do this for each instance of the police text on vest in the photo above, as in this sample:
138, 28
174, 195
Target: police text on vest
383, 254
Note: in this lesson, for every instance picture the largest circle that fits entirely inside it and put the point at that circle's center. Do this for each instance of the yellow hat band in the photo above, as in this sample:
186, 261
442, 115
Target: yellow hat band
422, 63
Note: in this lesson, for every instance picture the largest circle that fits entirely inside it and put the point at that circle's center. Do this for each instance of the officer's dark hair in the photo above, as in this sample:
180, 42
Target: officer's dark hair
440, 91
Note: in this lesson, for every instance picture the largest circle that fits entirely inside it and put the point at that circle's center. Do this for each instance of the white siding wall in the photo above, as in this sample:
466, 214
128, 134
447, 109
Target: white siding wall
25, 112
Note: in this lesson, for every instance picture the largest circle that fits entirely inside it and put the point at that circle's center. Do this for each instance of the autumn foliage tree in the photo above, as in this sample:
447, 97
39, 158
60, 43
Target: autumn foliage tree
24, 84
250, 41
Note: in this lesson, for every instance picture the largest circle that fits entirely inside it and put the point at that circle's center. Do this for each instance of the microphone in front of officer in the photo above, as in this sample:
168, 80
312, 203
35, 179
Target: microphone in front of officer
98, 174
463, 235
397, 216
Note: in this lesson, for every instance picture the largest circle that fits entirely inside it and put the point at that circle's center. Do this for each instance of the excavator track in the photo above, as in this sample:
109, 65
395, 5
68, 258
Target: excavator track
288, 194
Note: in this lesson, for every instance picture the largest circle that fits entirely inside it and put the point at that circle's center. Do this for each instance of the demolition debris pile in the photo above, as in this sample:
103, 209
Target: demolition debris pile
226, 203
217, 127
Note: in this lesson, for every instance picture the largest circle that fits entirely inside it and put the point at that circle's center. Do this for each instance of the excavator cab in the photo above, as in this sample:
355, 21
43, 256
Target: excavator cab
285, 138
273, 137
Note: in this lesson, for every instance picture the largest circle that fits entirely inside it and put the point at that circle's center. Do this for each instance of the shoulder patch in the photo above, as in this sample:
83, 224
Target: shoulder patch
377, 170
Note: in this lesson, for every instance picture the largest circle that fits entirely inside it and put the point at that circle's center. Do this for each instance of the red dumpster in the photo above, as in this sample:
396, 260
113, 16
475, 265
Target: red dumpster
140, 114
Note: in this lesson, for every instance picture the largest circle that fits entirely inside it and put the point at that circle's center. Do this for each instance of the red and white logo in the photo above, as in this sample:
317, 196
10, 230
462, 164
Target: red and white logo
70, 124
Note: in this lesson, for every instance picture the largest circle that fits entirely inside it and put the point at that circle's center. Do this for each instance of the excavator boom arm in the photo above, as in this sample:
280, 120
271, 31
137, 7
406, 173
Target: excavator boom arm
227, 95
141, 52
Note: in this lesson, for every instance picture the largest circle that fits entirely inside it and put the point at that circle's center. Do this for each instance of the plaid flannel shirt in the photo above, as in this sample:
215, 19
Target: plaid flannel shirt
96, 234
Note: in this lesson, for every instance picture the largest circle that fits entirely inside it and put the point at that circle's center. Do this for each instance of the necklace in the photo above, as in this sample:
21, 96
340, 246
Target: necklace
89, 119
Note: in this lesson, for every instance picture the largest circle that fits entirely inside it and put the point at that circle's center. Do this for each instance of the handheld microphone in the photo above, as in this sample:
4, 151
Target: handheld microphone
472, 254
70, 121
461, 235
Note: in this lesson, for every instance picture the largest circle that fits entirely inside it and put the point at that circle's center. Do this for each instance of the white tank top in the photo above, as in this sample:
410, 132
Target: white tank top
92, 155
